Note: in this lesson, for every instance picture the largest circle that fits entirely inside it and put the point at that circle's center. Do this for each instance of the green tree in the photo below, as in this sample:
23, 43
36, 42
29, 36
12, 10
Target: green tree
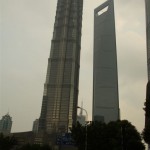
131, 138
116, 135
146, 134
146, 131
79, 135
7, 142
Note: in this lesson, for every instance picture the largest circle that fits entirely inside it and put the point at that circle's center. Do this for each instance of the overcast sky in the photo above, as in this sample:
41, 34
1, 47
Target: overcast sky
26, 28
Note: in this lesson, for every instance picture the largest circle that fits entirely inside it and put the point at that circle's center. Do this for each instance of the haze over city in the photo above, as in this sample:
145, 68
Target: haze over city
26, 30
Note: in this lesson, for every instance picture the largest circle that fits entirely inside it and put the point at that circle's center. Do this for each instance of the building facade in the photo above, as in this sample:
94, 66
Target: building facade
35, 126
6, 124
60, 98
147, 4
105, 74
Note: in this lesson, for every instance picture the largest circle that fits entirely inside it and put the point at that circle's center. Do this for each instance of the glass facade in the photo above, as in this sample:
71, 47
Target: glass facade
147, 6
5, 124
105, 72
147, 2
59, 107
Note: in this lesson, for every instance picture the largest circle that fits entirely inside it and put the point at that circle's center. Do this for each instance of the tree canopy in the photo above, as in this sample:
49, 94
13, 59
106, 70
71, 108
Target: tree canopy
146, 131
118, 135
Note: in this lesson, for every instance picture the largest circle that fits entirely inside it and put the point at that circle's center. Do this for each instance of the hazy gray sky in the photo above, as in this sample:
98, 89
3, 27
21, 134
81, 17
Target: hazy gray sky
26, 28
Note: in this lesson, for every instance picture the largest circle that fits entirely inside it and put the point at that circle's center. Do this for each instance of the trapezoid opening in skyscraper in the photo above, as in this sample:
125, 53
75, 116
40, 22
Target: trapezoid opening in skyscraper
60, 98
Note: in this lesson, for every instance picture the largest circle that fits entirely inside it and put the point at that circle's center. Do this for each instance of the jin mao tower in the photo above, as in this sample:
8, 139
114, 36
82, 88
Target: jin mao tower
60, 98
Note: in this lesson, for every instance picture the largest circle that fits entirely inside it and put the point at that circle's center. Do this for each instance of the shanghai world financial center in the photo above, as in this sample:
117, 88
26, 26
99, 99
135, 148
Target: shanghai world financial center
147, 4
60, 98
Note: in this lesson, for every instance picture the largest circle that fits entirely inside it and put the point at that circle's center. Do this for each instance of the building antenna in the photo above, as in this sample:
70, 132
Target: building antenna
8, 112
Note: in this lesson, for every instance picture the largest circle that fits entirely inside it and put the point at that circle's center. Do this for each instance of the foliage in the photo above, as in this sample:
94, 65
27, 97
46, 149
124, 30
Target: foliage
7, 142
146, 131
146, 134
78, 134
147, 108
116, 135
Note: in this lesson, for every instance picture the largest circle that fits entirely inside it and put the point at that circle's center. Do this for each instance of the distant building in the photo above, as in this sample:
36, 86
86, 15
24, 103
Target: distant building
105, 74
24, 138
29, 137
6, 124
35, 126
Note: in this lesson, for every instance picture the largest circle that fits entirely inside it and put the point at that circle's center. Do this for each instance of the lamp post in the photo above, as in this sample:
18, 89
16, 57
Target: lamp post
85, 126
85, 112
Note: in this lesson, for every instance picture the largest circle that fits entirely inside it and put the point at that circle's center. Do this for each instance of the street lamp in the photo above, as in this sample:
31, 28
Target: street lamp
85, 112
85, 126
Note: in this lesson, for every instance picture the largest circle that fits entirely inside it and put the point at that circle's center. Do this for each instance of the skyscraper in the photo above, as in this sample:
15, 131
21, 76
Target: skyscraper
147, 4
105, 75
60, 98
5, 124
35, 126
147, 117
